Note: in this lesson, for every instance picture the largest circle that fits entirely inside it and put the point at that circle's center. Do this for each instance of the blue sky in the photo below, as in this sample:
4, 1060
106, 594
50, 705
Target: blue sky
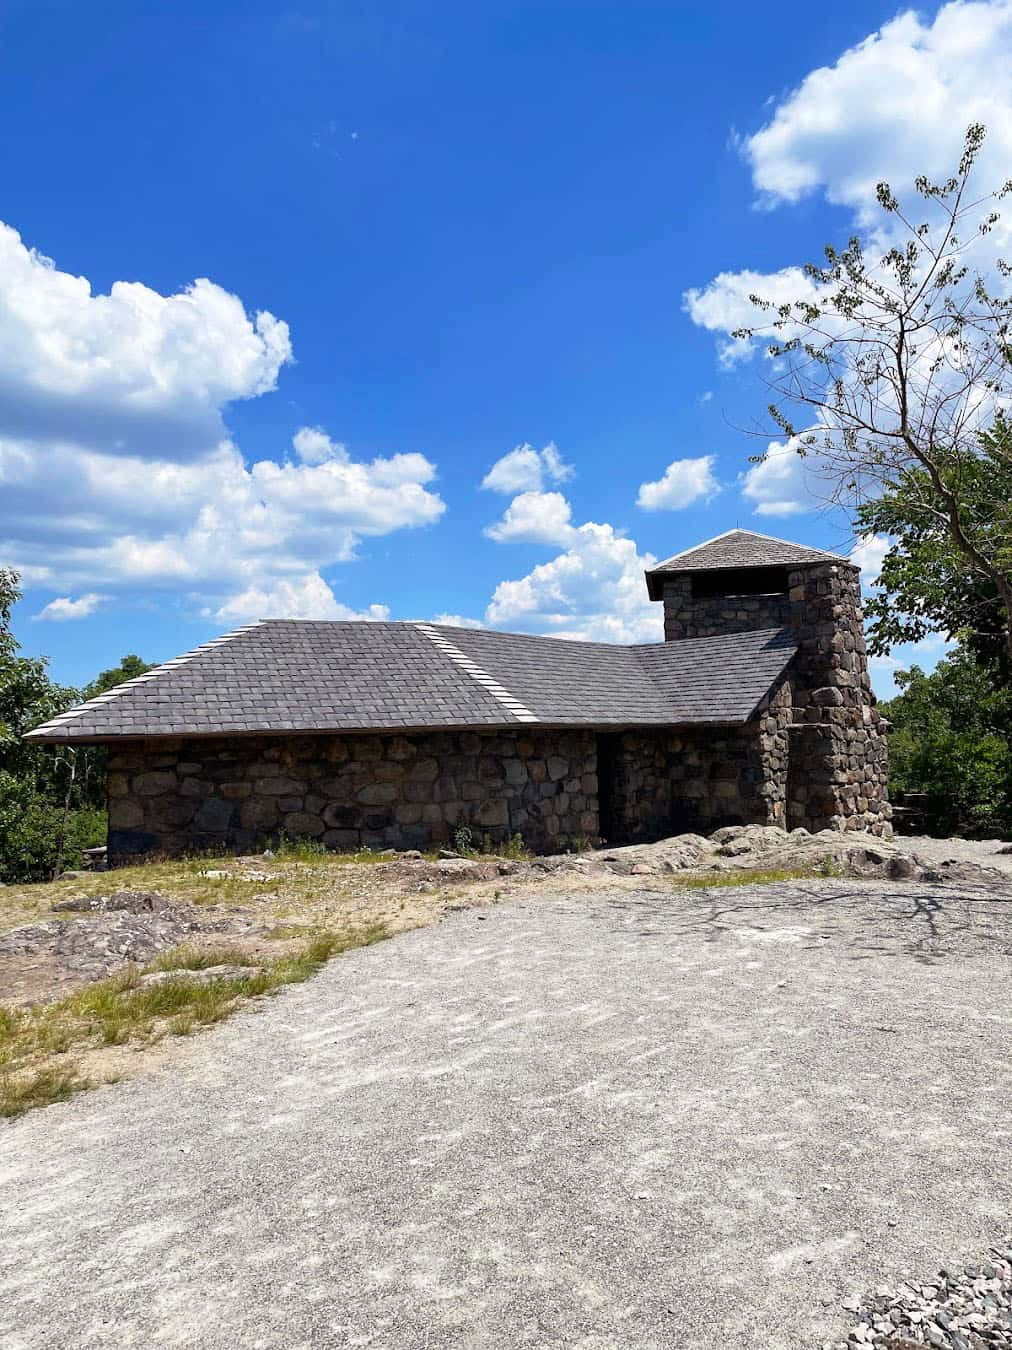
431, 234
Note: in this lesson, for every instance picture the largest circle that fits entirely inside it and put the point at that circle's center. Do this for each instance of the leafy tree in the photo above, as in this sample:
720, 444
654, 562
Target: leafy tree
91, 759
952, 740
50, 801
925, 584
27, 697
893, 367
128, 669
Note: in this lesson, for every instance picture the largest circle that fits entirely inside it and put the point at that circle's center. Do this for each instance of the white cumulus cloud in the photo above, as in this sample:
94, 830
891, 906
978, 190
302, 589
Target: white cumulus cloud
131, 372
594, 590
63, 607
868, 554
894, 106
314, 446
534, 517
209, 527
304, 597
117, 473
458, 621
725, 305
684, 482
784, 483
527, 470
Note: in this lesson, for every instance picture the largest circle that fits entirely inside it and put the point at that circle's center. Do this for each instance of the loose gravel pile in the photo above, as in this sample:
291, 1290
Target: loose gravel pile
968, 1308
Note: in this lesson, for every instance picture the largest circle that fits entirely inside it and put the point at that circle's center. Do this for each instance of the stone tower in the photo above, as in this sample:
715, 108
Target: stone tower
836, 756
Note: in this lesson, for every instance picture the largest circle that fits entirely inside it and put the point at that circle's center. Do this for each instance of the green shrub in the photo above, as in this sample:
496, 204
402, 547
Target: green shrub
36, 837
952, 741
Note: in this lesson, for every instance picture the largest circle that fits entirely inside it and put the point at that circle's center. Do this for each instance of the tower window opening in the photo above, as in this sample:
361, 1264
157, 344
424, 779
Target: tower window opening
740, 581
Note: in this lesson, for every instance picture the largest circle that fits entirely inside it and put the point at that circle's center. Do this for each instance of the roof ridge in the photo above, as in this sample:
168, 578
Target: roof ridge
110, 694
693, 547
481, 677
753, 534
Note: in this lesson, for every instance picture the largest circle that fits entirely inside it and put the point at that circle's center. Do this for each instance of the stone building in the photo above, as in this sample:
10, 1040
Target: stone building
756, 708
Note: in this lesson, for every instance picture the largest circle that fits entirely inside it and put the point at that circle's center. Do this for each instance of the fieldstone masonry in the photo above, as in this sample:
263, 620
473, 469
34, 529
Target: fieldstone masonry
350, 792
833, 771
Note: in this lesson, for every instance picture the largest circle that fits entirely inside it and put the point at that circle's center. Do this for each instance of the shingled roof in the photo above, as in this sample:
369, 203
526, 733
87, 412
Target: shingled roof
291, 675
741, 548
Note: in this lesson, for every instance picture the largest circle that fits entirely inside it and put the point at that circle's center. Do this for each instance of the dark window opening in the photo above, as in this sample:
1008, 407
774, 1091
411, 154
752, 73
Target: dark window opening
740, 581
608, 809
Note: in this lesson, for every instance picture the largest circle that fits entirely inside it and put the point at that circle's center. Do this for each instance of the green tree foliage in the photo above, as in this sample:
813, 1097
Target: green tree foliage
927, 584
952, 740
128, 669
50, 801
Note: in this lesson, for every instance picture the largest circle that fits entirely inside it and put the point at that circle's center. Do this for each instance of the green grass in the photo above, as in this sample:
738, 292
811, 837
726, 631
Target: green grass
200, 958
469, 846
713, 880
123, 1009
18, 1095
312, 851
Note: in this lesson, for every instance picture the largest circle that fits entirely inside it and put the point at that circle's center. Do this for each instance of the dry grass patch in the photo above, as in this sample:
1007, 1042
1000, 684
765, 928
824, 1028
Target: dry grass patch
716, 880
213, 880
324, 890
24, 1092
125, 1009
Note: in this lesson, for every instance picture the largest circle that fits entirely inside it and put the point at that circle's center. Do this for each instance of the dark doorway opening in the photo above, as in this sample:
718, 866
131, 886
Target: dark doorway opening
609, 810
794, 813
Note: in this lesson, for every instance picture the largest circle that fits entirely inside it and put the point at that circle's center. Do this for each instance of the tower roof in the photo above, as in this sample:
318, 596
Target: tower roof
736, 549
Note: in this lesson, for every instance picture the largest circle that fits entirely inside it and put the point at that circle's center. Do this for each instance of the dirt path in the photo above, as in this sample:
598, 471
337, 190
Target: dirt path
628, 1121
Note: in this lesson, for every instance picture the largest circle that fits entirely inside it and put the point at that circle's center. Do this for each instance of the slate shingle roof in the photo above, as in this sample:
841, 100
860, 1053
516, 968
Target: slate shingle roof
293, 675
744, 548
701, 675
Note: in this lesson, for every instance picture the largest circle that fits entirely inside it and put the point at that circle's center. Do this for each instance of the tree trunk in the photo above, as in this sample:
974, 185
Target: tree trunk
72, 772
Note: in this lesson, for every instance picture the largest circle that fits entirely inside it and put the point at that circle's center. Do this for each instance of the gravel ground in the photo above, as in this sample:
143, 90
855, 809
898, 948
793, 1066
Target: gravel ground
694, 1120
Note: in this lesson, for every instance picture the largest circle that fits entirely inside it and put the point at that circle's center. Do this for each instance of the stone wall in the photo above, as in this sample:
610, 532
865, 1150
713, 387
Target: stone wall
689, 616
700, 778
349, 792
839, 751
835, 768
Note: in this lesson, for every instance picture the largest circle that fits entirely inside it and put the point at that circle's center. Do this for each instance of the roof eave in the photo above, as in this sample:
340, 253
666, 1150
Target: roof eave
135, 737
